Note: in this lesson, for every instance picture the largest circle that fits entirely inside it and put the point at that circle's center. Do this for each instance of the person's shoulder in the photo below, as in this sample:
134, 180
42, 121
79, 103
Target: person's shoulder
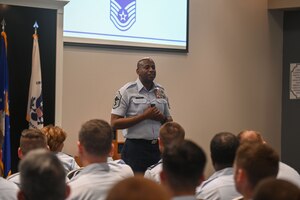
128, 86
158, 164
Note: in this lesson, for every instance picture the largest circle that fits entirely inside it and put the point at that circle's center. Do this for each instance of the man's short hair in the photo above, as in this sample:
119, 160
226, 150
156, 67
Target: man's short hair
223, 147
96, 137
32, 139
137, 188
276, 189
55, 136
258, 160
183, 164
42, 176
141, 63
171, 132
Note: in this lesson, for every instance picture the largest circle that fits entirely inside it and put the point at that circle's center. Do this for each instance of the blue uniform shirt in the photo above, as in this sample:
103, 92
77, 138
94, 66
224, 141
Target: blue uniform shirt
132, 99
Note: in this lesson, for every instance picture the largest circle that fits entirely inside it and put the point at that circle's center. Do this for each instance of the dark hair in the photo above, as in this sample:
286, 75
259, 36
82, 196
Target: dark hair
32, 139
171, 132
96, 137
258, 160
183, 164
223, 147
42, 176
276, 189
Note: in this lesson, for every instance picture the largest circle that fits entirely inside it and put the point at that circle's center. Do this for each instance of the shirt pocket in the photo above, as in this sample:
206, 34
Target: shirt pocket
161, 104
138, 106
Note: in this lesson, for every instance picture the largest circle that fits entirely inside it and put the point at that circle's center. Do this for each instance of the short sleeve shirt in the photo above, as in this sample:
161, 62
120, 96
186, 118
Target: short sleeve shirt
132, 99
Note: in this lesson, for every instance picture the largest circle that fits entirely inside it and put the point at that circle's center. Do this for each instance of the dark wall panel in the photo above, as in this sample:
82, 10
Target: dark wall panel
19, 29
290, 135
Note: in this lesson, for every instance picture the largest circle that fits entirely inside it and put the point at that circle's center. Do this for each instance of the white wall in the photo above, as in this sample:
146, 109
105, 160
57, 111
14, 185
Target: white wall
230, 80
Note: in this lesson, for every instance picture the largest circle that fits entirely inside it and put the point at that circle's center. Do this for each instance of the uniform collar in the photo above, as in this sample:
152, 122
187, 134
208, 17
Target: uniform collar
141, 86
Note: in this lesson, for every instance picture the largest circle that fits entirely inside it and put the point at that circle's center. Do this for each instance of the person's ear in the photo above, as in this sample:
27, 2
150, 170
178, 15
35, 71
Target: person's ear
80, 148
201, 179
68, 191
20, 154
162, 175
21, 195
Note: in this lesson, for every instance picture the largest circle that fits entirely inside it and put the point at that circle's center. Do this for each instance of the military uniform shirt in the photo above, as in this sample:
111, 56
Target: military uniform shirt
286, 172
67, 161
15, 178
94, 181
132, 99
153, 172
219, 186
8, 190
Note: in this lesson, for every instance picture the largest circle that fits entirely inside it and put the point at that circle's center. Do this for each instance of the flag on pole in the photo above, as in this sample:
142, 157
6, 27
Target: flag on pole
4, 108
35, 115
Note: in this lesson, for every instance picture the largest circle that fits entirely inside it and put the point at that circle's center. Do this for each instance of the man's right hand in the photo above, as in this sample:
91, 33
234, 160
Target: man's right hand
153, 113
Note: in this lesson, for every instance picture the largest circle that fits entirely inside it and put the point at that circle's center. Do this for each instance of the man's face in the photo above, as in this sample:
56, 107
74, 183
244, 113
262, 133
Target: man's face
146, 71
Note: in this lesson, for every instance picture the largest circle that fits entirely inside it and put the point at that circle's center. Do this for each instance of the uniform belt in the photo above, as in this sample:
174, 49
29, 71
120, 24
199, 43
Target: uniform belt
154, 141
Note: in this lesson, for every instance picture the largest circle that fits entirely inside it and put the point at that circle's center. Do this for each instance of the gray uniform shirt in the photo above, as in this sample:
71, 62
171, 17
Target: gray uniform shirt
15, 178
132, 99
153, 172
8, 190
67, 161
219, 186
94, 181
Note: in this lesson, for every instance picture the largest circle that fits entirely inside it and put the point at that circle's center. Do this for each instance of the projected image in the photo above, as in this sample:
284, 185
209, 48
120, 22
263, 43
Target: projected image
134, 23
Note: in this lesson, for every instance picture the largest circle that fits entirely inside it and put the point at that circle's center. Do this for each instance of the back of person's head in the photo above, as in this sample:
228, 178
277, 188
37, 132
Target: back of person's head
96, 137
256, 161
55, 137
276, 189
250, 136
171, 132
42, 177
183, 165
137, 188
223, 147
32, 139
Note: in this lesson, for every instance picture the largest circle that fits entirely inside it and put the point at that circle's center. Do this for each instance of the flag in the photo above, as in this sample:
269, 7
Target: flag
35, 115
4, 108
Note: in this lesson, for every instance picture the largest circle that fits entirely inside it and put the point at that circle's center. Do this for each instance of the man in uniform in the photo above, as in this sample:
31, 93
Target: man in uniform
140, 108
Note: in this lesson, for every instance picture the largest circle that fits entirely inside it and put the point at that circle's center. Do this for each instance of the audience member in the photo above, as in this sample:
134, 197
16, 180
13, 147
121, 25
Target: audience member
276, 189
220, 185
8, 190
42, 177
97, 176
169, 133
285, 172
183, 166
253, 163
138, 188
55, 139
30, 139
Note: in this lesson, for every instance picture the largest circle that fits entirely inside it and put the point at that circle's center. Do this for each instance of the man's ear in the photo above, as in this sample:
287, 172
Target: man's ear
21, 195
68, 191
20, 154
79, 147
111, 153
162, 175
201, 179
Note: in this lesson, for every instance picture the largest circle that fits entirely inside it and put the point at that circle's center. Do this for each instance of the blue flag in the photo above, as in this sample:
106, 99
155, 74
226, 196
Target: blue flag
4, 107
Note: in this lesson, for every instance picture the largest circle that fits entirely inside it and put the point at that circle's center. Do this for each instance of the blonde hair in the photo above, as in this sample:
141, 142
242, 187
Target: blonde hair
55, 136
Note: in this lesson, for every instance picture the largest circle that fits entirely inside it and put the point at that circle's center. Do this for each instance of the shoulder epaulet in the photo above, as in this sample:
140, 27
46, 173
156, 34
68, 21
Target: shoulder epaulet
74, 173
127, 85
153, 166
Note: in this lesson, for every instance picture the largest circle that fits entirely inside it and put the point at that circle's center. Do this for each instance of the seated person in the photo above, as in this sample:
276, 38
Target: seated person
169, 132
30, 139
42, 177
276, 189
55, 139
137, 188
220, 185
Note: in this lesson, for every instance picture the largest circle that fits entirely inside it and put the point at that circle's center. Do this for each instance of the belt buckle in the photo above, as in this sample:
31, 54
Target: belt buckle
154, 141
